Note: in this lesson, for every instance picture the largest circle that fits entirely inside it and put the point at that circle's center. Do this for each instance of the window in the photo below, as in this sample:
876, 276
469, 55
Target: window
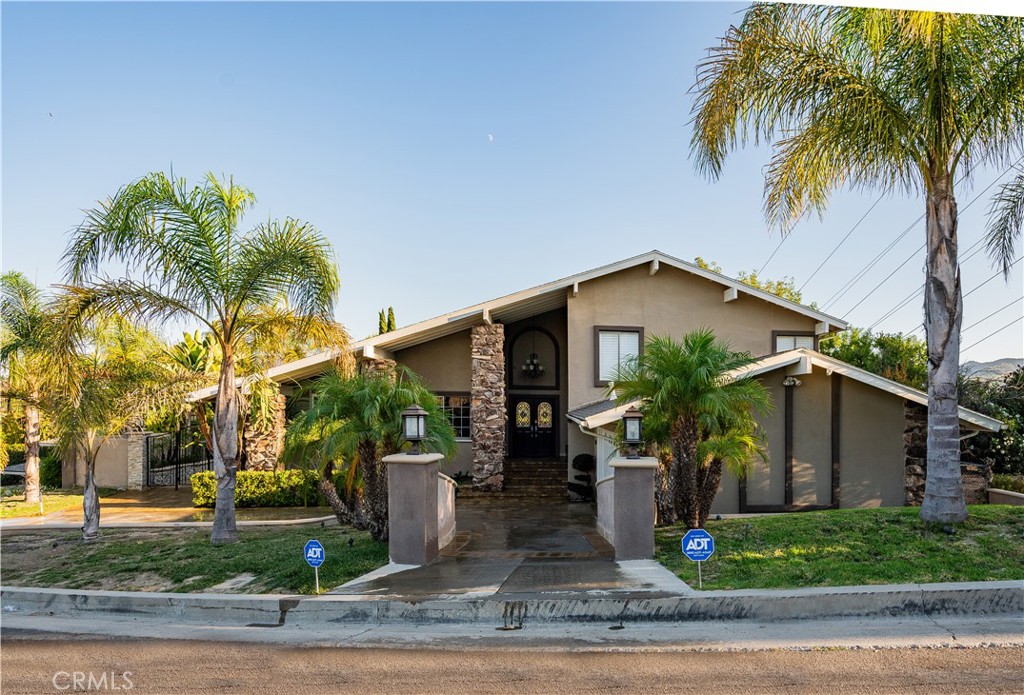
457, 408
613, 346
791, 341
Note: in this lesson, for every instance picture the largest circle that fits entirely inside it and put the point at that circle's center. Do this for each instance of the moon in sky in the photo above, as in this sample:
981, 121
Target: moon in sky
490, 138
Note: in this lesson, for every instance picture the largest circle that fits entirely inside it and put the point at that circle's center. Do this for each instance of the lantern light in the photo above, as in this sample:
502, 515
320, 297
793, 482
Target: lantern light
632, 421
414, 426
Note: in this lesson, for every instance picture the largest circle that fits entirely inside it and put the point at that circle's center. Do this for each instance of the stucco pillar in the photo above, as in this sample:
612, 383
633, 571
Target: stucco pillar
488, 412
634, 508
412, 508
136, 461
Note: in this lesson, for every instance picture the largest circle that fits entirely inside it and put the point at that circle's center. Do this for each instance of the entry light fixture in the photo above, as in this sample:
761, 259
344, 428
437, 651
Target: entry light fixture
414, 426
791, 381
532, 368
632, 423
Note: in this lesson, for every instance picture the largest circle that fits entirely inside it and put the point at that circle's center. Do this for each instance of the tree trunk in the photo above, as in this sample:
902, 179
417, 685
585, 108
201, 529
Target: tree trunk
204, 424
345, 511
711, 477
684, 454
31, 453
375, 490
90, 499
225, 451
943, 308
663, 502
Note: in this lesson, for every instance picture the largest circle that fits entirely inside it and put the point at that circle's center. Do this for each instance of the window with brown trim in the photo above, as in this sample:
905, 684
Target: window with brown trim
457, 407
613, 346
790, 340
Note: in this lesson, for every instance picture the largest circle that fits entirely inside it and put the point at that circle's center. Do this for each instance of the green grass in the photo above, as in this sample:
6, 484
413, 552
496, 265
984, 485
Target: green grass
53, 501
183, 559
851, 547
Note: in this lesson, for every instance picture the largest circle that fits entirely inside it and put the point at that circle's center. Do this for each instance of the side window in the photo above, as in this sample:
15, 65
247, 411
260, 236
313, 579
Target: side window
614, 347
457, 408
791, 342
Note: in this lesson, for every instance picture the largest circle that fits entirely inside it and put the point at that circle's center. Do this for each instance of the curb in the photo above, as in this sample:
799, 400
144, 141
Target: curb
272, 610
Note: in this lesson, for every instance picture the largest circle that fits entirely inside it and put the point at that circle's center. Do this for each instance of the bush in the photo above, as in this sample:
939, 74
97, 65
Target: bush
293, 488
1013, 483
49, 470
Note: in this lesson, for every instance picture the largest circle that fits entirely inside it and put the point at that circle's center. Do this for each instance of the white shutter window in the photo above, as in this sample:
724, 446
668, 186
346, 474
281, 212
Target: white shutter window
609, 357
614, 347
805, 341
784, 342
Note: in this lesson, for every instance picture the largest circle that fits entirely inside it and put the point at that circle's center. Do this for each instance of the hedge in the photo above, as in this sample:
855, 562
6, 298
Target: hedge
1003, 481
293, 488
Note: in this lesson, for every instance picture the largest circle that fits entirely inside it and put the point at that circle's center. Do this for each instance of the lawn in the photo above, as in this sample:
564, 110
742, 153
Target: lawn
53, 501
852, 546
265, 560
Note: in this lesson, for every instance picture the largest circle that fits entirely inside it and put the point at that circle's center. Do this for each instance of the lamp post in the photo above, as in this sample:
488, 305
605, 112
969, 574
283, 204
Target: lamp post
414, 426
632, 421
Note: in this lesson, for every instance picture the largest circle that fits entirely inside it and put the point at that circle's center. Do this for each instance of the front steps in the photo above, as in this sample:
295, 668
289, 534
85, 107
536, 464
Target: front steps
530, 479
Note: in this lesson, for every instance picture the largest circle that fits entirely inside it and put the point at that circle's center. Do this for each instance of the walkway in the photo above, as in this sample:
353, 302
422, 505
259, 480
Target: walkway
515, 549
160, 506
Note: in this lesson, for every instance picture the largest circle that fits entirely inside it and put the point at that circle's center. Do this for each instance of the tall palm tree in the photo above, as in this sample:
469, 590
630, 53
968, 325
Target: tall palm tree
358, 420
189, 261
702, 416
28, 327
1006, 218
874, 98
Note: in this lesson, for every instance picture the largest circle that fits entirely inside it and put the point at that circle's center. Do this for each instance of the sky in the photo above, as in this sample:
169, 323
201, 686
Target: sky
451, 152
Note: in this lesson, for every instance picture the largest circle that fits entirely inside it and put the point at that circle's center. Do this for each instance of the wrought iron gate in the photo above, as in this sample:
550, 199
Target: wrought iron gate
171, 459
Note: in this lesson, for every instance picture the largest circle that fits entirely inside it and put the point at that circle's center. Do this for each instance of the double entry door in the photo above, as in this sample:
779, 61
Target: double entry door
533, 426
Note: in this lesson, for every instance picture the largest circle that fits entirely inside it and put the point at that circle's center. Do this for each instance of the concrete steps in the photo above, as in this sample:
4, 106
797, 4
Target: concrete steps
530, 479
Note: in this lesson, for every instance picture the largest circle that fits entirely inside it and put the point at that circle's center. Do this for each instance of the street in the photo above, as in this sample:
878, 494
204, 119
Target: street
38, 664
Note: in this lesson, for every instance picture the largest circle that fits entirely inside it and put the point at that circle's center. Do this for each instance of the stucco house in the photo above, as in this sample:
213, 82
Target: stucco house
525, 378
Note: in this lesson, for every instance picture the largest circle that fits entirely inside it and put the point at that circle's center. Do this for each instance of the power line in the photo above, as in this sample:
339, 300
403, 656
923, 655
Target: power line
1016, 299
998, 330
781, 242
841, 242
920, 248
997, 274
841, 292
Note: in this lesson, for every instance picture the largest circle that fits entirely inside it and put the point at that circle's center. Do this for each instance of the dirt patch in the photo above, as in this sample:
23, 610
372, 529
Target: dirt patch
144, 581
231, 586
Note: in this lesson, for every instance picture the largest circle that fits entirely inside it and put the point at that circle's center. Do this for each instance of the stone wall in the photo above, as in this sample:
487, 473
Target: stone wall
488, 413
376, 366
136, 461
263, 448
975, 476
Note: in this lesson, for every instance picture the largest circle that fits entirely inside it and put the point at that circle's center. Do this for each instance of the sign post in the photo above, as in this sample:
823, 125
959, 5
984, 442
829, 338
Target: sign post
314, 553
698, 545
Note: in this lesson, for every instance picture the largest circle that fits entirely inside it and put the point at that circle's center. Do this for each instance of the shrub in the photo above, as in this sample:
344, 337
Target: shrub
292, 488
1003, 481
49, 470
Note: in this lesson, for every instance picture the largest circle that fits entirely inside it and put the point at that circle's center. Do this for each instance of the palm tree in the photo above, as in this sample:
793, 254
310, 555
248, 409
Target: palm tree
874, 98
29, 325
116, 380
701, 415
191, 262
1006, 218
358, 420
198, 355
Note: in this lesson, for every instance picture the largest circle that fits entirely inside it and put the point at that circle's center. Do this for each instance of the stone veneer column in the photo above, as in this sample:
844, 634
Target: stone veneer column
263, 448
377, 366
136, 461
488, 413
915, 452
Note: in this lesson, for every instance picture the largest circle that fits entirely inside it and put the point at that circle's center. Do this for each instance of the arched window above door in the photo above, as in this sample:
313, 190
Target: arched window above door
533, 360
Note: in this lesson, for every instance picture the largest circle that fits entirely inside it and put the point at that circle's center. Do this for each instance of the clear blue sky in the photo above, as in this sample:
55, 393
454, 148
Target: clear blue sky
371, 121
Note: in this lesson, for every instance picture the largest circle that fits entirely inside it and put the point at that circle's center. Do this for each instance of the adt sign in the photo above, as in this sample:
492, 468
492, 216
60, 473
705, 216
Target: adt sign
698, 545
314, 553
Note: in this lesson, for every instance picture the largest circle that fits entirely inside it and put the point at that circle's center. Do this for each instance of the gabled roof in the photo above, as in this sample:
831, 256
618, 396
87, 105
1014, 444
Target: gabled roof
523, 304
592, 417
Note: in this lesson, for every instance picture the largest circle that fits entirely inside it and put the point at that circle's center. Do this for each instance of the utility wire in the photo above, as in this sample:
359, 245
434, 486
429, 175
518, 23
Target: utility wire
832, 300
781, 242
964, 330
841, 242
998, 330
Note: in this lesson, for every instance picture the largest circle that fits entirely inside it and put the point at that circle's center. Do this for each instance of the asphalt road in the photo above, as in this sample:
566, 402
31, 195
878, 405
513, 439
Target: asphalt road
164, 666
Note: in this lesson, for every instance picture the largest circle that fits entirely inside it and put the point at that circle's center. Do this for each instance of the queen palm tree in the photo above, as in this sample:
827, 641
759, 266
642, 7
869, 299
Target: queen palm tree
28, 327
188, 261
357, 420
1006, 218
702, 416
874, 98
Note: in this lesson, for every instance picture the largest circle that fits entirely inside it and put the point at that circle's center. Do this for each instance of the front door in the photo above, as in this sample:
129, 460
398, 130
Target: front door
533, 426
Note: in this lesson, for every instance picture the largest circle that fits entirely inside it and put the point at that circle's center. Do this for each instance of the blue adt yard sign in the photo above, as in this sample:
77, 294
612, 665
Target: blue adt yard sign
314, 553
698, 545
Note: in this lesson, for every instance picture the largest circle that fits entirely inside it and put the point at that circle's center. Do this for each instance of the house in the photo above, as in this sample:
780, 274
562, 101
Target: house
525, 381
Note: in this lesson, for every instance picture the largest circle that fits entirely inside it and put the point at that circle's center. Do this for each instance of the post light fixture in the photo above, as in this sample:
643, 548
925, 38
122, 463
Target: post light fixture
632, 423
414, 426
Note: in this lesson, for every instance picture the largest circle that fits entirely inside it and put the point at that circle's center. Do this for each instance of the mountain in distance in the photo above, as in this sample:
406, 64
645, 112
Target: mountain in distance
996, 369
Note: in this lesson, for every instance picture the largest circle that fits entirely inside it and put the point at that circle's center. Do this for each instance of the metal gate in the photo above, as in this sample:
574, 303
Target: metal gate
171, 459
